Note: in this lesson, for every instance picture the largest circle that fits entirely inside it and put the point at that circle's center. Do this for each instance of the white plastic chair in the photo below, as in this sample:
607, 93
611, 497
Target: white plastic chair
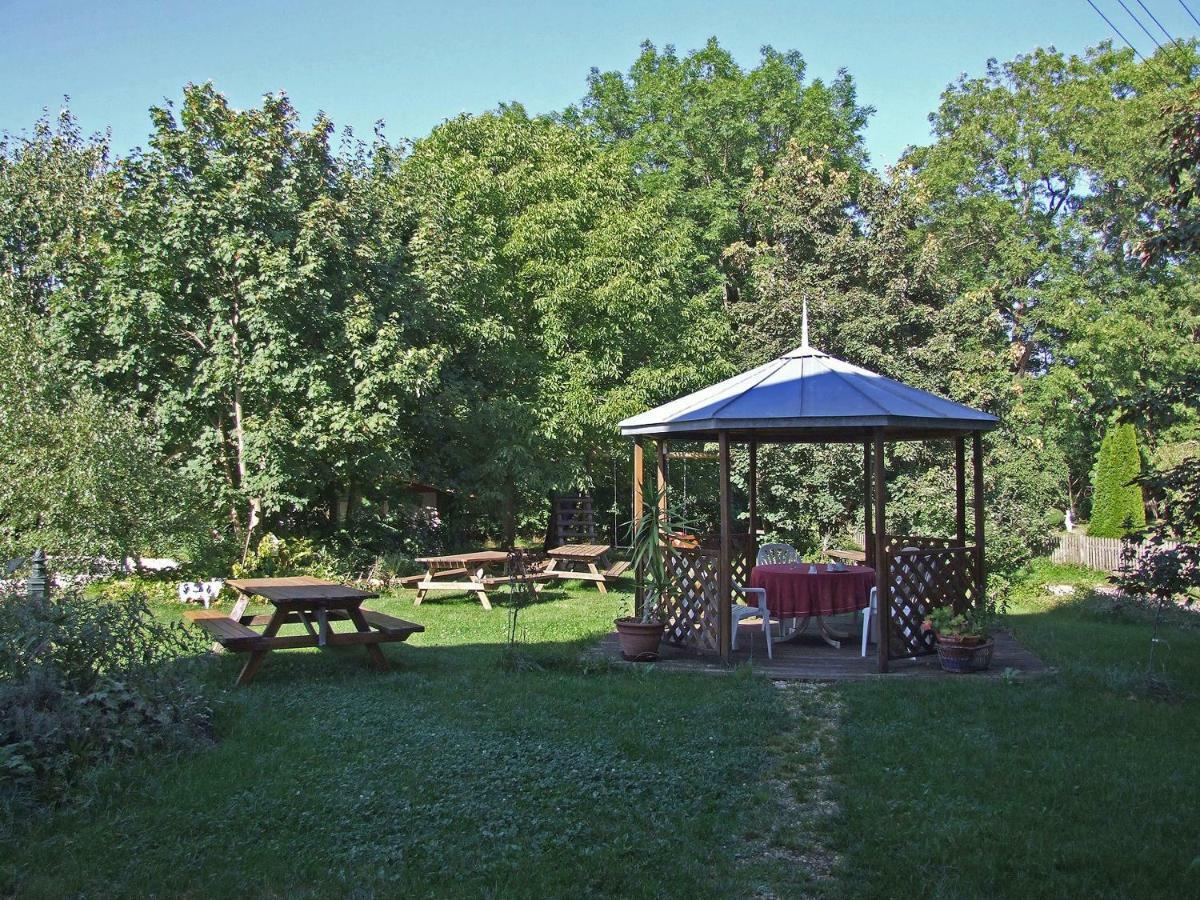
768, 555
777, 555
871, 610
748, 612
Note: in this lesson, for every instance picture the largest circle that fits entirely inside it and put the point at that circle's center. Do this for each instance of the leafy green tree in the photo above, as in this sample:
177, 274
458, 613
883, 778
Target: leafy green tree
700, 126
1117, 505
78, 476
568, 296
255, 306
57, 196
1037, 184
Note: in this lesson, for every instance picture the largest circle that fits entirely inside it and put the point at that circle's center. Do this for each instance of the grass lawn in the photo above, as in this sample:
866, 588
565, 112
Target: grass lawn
453, 775
1075, 785
447, 776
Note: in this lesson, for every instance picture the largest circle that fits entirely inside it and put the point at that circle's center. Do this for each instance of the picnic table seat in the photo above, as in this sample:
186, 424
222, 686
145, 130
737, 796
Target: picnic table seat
492, 581
234, 635
616, 570
227, 632
390, 625
411, 581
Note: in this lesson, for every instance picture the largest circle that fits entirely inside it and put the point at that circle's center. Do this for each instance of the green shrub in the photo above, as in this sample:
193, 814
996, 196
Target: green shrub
122, 588
86, 681
276, 557
1117, 505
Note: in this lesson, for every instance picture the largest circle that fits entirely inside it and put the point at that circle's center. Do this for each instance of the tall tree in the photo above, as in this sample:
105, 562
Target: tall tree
57, 196
569, 298
1037, 182
700, 126
1117, 506
253, 304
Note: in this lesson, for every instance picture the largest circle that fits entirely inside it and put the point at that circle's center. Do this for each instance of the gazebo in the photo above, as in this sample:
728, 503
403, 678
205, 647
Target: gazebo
806, 396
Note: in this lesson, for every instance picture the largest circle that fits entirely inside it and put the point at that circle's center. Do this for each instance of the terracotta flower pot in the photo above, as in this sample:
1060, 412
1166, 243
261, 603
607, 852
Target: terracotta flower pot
639, 640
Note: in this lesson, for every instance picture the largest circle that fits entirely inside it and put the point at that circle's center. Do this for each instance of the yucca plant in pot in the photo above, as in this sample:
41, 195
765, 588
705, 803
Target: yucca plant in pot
650, 542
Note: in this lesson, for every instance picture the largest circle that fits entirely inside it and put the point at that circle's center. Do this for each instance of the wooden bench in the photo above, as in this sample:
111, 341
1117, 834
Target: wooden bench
854, 556
395, 629
412, 581
225, 631
616, 570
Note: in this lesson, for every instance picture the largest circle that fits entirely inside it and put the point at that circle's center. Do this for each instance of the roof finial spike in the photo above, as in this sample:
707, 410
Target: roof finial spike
804, 325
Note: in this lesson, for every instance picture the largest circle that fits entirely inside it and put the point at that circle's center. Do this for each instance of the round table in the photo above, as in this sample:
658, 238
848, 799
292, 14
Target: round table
794, 591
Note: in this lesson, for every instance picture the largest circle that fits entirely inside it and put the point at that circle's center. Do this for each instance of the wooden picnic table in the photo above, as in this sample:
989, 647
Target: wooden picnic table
311, 602
565, 562
470, 571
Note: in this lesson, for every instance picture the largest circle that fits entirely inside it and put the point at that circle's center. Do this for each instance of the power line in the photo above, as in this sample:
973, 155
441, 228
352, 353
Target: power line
1187, 10
1139, 24
1174, 40
1108, 21
1160, 25
1150, 63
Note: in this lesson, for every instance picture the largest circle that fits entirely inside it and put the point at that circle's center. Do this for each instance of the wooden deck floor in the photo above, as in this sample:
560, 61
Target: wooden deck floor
808, 658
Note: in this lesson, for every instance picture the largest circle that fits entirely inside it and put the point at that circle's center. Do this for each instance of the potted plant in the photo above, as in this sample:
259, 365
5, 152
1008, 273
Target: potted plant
650, 537
963, 644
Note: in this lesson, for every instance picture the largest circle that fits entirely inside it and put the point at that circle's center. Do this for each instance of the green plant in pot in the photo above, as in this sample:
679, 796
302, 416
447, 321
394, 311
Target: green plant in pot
950, 627
650, 542
963, 643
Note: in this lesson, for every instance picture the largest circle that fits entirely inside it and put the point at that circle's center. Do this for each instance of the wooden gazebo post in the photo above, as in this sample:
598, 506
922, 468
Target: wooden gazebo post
724, 581
977, 465
661, 473
868, 530
639, 590
960, 490
883, 617
753, 501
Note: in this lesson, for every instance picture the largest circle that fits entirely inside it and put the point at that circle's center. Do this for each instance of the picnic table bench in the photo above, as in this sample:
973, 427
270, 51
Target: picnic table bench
310, 602
474, 566
565, 562
854, 556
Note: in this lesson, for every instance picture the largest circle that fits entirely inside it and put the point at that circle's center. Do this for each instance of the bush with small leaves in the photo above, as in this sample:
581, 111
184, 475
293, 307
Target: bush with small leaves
86, 681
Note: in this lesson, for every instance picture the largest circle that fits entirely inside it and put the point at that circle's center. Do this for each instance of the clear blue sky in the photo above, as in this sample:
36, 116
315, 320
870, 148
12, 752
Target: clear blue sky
415, 64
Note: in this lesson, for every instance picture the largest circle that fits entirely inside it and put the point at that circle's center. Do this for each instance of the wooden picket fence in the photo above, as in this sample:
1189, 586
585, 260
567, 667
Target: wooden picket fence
1102, 554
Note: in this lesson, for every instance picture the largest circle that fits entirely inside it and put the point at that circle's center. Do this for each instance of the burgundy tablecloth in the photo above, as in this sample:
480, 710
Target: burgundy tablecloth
793, 592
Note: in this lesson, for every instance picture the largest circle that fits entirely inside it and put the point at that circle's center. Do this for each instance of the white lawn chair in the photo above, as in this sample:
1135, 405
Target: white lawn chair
749, 612
777, 555
768, 554
871, 610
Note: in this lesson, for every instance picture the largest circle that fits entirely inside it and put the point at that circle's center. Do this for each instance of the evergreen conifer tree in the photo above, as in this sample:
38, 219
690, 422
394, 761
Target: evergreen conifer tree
1117, 506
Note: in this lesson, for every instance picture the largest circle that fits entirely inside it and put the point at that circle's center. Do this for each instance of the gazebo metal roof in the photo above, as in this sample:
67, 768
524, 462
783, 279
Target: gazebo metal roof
807, 395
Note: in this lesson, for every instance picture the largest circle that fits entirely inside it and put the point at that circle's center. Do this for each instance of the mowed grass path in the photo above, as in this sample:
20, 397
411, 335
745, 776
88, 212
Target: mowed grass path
452, 776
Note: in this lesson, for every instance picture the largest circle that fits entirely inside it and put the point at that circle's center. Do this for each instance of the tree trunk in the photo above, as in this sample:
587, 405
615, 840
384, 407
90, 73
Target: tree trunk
254, 505
510, 511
